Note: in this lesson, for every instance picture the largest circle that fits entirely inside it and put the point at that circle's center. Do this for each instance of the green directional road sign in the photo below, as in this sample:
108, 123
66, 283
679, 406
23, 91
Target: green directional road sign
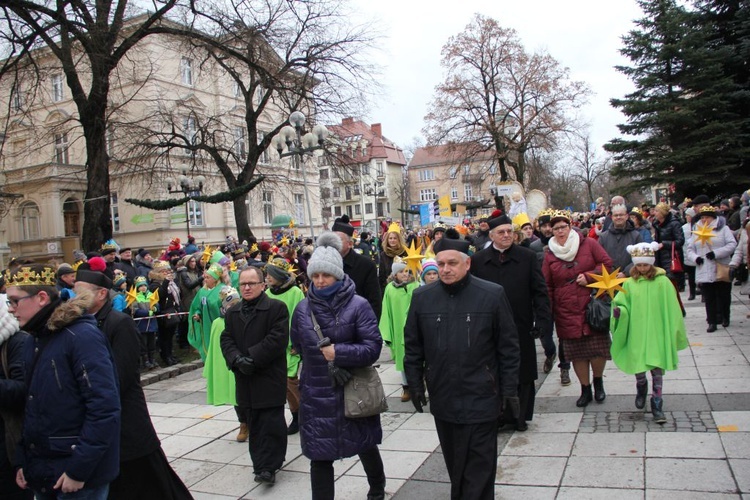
142, 219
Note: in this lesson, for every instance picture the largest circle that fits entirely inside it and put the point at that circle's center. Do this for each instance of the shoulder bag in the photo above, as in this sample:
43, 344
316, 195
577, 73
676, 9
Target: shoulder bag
722, 272
363, 393
598, 312
676, 266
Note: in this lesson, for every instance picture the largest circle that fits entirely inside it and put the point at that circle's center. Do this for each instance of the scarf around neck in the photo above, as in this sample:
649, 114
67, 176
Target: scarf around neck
569, 250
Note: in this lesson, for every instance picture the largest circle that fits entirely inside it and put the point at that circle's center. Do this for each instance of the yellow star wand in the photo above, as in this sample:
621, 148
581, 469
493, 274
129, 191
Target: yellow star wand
704, 234
413, 259
130, 296
206, 254
154, 299
607, 282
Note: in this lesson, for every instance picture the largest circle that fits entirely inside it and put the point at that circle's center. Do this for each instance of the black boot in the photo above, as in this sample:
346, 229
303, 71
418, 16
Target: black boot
711, 328
377, 489
586, 396
657, 405
294, 426
640, 396
599, 394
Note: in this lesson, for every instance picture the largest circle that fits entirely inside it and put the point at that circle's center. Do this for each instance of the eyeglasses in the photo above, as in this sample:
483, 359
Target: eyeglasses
12, 302
557, 229
248, 284
504, 231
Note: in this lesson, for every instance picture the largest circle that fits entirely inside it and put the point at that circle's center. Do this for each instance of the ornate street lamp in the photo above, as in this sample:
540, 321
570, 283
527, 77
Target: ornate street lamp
190, 187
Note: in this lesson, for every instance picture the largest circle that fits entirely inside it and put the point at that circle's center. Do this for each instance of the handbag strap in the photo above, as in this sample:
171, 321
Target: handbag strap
316, 326
673, 251
4, 360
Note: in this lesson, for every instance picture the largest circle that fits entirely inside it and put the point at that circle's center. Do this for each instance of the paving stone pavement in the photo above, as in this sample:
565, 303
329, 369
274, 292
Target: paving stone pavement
609, 450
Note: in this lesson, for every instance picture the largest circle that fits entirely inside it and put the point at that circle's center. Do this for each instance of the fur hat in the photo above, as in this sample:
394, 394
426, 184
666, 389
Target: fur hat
326, 257
643, 253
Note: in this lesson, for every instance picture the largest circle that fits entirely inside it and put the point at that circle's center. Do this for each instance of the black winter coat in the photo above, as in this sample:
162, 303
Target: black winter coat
364, 274
520, 274
462, 341
666, 233
137, 435
615, 241
263, 335
12, 396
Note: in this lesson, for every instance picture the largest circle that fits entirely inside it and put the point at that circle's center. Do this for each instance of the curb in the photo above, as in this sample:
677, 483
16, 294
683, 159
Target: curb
151, 377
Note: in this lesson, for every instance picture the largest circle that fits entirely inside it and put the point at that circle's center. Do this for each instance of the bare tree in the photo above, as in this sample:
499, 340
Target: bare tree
498, 97
586, 165
89, 39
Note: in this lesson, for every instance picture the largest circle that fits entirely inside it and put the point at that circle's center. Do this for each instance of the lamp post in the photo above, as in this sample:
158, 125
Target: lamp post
297, 146
188, 187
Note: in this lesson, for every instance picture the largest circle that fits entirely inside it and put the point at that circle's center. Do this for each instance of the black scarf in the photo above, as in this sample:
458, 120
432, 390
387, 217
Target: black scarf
37, 325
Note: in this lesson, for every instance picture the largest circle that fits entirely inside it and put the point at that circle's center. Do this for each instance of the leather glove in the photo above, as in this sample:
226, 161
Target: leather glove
699, 261
512, 404
710, 256
339, 376
616, 312
535, 332
244, 365
419, 400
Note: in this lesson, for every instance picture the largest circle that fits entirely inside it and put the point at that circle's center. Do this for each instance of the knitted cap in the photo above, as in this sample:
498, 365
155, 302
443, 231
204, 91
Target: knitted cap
140, 280
397, 266
64, 269
326, 257
279, 269
427, 266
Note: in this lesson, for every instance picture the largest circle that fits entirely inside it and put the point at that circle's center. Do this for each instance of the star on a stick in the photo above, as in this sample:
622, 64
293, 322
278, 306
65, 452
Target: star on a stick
413, 259
130, 296
607, 282
154, 299
284, 241
704, 233
206, 254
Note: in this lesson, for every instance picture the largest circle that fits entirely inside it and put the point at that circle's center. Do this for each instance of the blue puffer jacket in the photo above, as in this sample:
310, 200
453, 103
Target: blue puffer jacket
350, 323
72, 417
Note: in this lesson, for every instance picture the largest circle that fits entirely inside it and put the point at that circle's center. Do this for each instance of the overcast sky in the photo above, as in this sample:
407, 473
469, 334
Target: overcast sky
584, 35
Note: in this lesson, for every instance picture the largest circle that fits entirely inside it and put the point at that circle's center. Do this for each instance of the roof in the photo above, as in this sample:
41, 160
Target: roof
378, 146
442, 154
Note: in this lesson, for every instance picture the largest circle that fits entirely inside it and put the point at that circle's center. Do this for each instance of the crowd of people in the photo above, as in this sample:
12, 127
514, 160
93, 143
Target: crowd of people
283, 323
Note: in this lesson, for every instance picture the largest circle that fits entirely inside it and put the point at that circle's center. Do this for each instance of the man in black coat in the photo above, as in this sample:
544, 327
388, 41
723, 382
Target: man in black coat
461, 340
126, 265
254, 344
517, 270
144, 469
618, 237
360, 269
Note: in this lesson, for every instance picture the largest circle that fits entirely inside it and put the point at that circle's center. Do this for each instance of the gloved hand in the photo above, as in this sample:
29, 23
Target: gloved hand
732, 270
339, 376
699, 261
536, 332
419, 400
512, 404
244, 365
710, 256
616, 312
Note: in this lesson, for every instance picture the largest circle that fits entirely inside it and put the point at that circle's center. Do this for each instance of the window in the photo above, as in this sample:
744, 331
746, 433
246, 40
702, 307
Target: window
388, 206
453, 172
114, 211
190, 131
61, 149
467, 169
337, 211
365, 169
357, 209
325, 192
368, 208
17, 98
467, 192
381, 189
349, 211
427, 194
381, 213
267, 207
186, 71
348, 192
337, 192
195, 212
356, 190
380, 168
454, 193
299, 211
29, 221
57, 88
240, 148
264, 157
323, 174
426, 175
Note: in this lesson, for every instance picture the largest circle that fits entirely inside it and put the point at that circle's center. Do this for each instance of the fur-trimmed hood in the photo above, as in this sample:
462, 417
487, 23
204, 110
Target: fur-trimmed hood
67, 312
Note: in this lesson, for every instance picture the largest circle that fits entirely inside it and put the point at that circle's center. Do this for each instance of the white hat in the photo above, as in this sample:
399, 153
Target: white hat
326, 257
643, 253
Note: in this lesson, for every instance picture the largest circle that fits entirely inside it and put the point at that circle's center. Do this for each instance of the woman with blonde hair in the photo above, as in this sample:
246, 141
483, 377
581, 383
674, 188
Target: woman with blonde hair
393, 246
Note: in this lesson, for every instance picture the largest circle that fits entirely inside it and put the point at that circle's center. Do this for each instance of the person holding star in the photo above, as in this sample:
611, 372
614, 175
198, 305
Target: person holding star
712, 244
567, 270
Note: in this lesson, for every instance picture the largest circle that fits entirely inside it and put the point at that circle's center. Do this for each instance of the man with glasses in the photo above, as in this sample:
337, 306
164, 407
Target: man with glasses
71, 427
254, 344
518, 271
618, 237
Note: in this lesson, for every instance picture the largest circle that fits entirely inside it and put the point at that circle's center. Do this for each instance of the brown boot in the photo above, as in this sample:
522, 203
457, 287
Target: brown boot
405, 396
242, 435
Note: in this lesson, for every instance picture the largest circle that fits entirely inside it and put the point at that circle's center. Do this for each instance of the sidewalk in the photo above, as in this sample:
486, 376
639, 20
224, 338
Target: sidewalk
610, 450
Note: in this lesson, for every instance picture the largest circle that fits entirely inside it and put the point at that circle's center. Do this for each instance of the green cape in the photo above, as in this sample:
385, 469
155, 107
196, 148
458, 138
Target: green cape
291, 297
220, 385
396, 303
650, 329
207, 305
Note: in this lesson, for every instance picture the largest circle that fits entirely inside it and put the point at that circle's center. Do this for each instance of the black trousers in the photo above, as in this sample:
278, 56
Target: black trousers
718, 300
470, 453
321, 475
690, 273
147, 477
267, 438
166, 336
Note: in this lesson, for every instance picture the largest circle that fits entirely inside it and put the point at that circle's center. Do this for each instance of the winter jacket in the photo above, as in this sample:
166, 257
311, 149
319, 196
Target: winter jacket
667, 233
462, 342
129, 269
615, 242
348, 320
739, 256
72, 417
364, 273
568, 298
190, 282
384, 270
143, 267
520, 274
687, 233
722, 245
142, 308
263, 335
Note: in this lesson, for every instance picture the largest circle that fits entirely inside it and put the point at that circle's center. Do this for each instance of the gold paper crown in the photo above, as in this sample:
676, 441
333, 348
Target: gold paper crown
394, 228
641, 250
439, 224
280, 263
254, 248
708, 209
109, 246
35, 275
636, 211
560, 214
546, 212
484, 217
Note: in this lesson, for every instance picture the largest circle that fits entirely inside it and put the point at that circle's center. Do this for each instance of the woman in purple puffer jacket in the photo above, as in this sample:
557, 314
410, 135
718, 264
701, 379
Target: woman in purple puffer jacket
349, 322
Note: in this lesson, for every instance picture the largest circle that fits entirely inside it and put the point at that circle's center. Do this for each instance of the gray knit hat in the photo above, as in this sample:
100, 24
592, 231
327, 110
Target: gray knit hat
326, 257
397, 266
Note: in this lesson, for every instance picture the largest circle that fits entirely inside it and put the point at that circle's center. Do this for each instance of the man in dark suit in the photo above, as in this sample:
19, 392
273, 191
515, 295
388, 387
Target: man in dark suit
519, 272
359, 268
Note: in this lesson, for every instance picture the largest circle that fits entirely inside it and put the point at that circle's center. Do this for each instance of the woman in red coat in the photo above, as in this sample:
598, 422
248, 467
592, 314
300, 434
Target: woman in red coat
566, 267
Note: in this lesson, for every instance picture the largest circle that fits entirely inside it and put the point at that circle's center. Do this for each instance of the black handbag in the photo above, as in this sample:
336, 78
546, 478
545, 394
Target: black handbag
363, 393
598, 312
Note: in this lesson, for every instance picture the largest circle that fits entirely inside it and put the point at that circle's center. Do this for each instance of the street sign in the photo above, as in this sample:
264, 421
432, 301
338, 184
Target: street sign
142, 219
